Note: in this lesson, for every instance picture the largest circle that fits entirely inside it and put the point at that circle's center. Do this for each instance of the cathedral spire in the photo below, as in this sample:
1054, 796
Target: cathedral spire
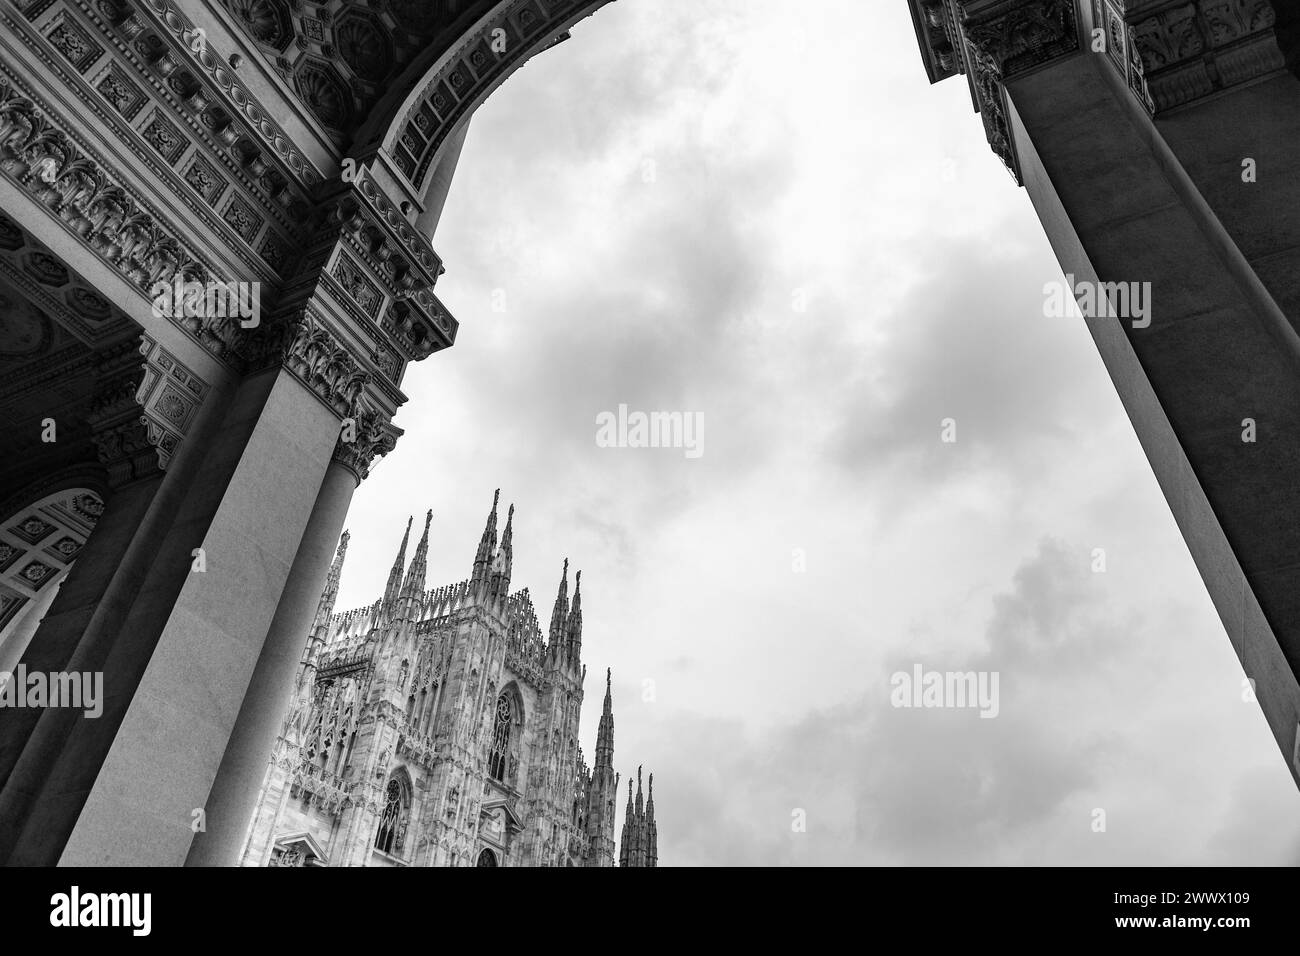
325, 608
504, 558
560, 611
629, 828
573, 627
394, 589
605, 732
651, 840
486, 545
603, 786
319, 634
413, 587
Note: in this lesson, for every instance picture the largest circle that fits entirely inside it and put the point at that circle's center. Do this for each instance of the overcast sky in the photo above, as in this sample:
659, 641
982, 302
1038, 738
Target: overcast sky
653, 201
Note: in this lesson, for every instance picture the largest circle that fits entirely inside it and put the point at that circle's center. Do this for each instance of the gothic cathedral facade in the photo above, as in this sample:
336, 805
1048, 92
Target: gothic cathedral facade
439, 727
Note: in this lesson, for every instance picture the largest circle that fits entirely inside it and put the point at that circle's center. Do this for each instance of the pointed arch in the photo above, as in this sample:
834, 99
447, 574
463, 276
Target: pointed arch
395, 815
506, 735
41, 535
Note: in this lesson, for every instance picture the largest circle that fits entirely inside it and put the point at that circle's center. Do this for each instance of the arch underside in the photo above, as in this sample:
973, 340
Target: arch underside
400, 74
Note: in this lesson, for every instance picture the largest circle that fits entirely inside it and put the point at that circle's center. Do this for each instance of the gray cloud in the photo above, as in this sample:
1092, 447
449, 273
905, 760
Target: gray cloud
893, 785
923, 302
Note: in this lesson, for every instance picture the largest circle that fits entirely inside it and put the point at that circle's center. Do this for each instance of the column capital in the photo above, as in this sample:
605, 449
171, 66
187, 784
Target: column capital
994, 42
370, 435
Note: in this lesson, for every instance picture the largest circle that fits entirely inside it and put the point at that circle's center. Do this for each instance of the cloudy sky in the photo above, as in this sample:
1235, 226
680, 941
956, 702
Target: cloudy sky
705, 206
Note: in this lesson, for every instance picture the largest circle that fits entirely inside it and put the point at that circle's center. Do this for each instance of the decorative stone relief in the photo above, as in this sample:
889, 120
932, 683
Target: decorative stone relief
73, 42
373, 436
309, 350
1183, 53
142, 409
42, 160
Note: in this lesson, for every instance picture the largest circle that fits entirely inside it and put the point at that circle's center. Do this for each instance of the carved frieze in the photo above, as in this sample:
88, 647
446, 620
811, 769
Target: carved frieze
43, 160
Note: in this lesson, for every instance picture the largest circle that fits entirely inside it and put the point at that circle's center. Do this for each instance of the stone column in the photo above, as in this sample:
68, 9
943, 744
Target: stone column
234, 793
90, 608
172, 732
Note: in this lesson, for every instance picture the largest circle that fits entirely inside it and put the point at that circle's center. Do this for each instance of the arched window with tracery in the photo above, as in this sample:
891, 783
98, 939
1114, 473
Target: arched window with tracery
487, 858
499, 755
389, 836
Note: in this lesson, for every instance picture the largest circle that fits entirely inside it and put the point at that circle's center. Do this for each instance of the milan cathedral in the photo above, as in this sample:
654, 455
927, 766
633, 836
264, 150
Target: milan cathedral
440, 728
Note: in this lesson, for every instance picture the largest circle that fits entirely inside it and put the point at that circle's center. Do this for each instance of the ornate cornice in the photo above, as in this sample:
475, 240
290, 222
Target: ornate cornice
938, 37
156, 109
403, 261
169, 21
1171, 53
43, 161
